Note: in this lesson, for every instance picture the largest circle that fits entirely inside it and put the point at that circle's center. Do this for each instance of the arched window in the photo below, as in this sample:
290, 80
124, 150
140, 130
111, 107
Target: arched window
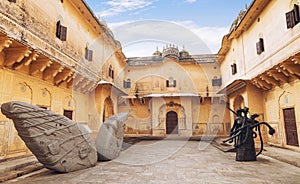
111, 72
88, 53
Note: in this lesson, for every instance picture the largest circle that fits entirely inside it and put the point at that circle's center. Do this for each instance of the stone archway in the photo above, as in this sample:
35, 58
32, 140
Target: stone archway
108, 109
172, 123
238, 102
175, 107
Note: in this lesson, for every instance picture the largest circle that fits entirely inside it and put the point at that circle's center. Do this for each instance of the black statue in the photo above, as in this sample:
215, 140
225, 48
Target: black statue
243, 135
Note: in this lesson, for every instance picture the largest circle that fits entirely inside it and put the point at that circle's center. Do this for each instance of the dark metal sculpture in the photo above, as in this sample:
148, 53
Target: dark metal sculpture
110, 137
242, 135
58, 142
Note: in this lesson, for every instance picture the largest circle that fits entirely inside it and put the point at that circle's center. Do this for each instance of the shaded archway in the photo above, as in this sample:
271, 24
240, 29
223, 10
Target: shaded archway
172, 123
238, 102
108, 109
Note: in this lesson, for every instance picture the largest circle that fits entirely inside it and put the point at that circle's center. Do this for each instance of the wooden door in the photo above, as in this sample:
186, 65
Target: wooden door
172, 123
290, 127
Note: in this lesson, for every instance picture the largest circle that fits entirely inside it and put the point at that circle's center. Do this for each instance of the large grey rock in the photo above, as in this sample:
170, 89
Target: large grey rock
110, 137
58, 142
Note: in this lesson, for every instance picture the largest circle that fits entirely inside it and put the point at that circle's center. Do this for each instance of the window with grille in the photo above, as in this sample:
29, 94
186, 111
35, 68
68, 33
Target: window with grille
217, 82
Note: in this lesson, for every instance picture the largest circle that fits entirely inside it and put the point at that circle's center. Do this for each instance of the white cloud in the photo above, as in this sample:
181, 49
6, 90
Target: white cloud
190, 1
211, 36
120, 6
137, 40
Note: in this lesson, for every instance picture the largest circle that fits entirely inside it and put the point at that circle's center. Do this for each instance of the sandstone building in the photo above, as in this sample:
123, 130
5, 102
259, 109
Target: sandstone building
54, 54
61, 57
259, 61
173, 92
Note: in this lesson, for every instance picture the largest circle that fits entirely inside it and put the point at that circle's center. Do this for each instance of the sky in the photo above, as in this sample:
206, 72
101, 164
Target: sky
143, 26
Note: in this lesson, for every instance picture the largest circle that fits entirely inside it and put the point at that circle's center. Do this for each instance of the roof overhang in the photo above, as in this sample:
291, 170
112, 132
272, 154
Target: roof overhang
233, 87
103, 83
284, 72
173, 95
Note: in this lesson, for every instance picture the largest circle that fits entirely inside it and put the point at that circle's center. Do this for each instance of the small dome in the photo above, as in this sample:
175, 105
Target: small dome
157, 53
184, 53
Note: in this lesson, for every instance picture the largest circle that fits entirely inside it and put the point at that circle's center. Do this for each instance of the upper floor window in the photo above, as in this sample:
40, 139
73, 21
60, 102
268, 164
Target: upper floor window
127, 83
61, 31
88, 54
233, 69
292, 17
13, 1
260, 46
111, 72
171, 82
216, 81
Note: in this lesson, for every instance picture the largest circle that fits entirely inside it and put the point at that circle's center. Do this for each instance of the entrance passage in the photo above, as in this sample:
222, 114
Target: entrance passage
108, 109
290, 127
172, 123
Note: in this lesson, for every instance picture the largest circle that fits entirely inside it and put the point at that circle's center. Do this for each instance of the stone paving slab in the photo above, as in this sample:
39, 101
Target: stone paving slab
171, 161
282, 154
285, 155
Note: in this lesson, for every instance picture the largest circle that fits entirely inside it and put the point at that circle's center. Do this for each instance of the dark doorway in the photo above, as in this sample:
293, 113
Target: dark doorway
172, 123
290, 127
108, 109
68, 114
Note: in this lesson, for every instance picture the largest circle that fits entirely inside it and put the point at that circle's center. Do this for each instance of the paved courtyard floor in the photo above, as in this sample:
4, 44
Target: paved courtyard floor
174, 161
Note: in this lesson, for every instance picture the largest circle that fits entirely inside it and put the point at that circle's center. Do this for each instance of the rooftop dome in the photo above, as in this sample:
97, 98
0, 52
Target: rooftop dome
157, 53
183, 53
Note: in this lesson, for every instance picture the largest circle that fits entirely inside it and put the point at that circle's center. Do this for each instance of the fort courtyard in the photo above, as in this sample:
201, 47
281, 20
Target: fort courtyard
181, 99
182, 162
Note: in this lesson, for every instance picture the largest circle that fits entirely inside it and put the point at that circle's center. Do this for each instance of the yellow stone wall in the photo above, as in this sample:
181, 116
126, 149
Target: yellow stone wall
154, 76
148, 113
279, 43
280, 46
277, 100
30, 25
16, 86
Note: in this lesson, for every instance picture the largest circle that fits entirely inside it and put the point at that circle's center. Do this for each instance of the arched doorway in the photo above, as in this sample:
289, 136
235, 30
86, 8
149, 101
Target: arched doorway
172, 123
238, 103
108, 109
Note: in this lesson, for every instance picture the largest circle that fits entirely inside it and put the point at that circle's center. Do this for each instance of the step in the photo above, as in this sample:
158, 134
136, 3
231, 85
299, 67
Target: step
225, 147
11, 174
